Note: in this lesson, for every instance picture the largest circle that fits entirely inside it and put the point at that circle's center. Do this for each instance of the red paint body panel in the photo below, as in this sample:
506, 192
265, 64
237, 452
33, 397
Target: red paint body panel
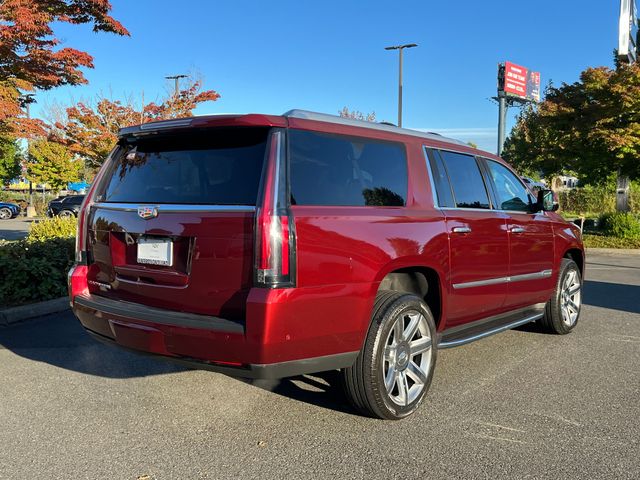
342, 254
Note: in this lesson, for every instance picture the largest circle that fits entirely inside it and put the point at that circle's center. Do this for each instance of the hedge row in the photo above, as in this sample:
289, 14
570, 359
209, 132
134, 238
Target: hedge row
596, 200
35, 269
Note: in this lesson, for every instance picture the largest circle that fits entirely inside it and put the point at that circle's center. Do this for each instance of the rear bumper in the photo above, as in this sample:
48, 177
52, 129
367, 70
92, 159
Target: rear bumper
230, 347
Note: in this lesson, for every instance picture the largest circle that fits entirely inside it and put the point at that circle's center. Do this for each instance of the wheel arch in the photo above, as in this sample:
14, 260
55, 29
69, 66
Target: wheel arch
422, 280
577, 255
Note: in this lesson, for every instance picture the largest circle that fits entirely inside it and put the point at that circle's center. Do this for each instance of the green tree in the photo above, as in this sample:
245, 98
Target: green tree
591, 127
9, 160
52, 163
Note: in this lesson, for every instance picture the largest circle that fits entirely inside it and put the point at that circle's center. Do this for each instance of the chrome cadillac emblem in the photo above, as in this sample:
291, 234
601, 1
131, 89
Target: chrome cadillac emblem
147, 212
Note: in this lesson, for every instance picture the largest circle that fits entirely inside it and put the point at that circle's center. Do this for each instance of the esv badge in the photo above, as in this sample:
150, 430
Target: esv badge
147, 213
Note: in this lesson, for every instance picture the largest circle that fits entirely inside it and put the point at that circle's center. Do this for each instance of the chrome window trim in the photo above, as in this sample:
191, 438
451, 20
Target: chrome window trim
509, 279
173, 208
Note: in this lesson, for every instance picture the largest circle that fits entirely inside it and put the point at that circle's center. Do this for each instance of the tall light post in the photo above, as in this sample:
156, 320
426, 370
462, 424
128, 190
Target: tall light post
177, 84
25, 101
400, 48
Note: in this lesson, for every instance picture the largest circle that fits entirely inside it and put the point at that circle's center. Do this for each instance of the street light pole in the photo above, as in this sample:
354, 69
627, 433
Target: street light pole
177, 82
25, 101
400, 48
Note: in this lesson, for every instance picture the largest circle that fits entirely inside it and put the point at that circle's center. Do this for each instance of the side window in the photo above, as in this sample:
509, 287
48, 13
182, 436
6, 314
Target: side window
511, 193
339, 170
466, 180
440, 180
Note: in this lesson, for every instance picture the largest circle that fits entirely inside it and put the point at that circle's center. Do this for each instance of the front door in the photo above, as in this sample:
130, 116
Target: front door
530, 240
478, 239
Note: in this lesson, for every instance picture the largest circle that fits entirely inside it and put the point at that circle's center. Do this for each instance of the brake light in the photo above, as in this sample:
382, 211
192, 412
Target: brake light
275, 236
77, 281
81, 229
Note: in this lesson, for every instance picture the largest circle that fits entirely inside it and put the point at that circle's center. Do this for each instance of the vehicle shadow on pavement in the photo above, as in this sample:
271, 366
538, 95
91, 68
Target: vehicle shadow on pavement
322, 389
615, 296
60, 340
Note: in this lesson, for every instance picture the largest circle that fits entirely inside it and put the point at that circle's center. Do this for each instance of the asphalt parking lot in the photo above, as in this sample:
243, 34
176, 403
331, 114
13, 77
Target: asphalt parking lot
15, 229
521, 404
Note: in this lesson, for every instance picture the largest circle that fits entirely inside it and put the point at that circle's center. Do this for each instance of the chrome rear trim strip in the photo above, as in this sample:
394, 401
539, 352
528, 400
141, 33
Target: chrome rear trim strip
173, 208
513, 278
502, 328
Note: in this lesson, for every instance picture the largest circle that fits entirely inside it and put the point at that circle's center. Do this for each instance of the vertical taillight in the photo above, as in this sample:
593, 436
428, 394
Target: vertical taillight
85, 208
275, 236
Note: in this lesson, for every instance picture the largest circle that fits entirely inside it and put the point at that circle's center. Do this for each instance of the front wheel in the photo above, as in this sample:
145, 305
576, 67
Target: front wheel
563, 309
66, 214
5, 214
393, 372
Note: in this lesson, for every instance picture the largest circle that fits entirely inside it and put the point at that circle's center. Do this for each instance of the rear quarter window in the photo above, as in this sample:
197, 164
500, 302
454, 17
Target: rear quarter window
346, 171
209, 167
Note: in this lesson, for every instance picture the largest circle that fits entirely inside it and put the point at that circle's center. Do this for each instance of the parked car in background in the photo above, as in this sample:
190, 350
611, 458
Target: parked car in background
9, 210
274, 246
533, 185
65, 206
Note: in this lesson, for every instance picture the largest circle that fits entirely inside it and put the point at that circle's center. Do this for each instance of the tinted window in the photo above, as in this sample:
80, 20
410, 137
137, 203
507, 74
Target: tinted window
75, 200
338, 170
217, 167
511, 193
441, 181
466, 180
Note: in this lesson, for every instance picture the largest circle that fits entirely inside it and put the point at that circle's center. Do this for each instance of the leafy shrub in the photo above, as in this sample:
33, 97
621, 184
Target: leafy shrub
32, 271
621, 225
52, 228
603, 241
587, 199
596, 200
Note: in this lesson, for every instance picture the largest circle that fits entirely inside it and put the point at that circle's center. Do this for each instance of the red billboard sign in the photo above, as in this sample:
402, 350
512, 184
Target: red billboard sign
521, 82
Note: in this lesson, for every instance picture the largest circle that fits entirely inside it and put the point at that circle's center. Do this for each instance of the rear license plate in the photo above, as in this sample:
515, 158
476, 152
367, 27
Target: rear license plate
155, 251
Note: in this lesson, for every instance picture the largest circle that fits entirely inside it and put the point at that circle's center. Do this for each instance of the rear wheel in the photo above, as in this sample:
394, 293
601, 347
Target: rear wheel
66, 214
5, 214
393, 372
563, 309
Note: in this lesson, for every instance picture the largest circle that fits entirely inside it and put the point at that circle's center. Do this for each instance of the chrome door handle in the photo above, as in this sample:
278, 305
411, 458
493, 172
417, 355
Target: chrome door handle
517, 230
461, 230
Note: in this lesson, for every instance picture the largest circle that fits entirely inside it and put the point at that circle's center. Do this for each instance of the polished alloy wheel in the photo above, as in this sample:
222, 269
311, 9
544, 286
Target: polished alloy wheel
5, 213
570, 298
407, 357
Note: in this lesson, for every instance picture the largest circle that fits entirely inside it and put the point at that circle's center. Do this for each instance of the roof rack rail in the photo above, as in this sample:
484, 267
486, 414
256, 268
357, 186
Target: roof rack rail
325, 117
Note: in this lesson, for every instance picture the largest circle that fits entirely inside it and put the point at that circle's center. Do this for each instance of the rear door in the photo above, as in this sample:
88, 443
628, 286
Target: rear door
531, 245
478, 240
172, 222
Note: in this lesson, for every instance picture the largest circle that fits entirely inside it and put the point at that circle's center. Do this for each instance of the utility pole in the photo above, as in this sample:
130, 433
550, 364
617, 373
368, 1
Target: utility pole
628, 39
400, 48
502, 121
177, 83
25, 101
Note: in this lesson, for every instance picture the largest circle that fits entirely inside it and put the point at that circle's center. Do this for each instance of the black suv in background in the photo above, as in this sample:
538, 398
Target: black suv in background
65, 206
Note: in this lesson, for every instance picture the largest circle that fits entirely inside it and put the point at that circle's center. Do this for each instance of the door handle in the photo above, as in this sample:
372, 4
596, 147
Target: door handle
461, 230
516, 230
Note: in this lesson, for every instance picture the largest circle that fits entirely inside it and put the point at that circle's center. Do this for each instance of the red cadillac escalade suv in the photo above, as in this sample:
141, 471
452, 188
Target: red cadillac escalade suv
271, 246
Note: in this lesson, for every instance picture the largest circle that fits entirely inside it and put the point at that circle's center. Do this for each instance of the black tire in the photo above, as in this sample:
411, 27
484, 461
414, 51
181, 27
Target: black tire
66, 214
558, 316
364, 382
5, 214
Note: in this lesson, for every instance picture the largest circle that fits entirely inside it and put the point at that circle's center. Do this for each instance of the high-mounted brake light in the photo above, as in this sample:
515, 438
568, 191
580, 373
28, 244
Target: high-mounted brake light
275, 236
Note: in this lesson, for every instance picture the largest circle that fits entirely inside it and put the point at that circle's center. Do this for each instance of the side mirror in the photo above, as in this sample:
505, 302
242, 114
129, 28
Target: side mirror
546, 201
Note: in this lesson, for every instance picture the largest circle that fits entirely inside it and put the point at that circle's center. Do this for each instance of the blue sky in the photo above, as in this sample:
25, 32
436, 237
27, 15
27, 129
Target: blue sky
269, 57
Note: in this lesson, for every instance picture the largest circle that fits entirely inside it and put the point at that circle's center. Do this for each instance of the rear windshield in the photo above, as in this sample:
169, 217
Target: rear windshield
211, 167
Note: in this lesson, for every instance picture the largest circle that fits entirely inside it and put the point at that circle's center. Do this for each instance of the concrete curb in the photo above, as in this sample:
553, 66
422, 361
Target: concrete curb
613, 251
9, 316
